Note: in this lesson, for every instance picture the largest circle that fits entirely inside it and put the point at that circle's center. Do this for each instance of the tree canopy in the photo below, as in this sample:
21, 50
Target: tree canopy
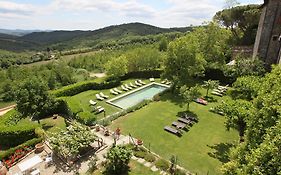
32, 98
118, 158
242, 21
260, 153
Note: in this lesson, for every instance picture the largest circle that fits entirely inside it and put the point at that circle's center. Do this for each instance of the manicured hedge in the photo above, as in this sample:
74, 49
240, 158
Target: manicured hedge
142, 74
5, 154
86, 118
15, 135
12, 134
85, 86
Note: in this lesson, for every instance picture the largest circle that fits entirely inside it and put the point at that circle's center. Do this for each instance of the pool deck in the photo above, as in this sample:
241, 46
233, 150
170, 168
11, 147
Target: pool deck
133, 91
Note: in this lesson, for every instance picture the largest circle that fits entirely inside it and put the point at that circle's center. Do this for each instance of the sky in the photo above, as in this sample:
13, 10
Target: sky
94, 14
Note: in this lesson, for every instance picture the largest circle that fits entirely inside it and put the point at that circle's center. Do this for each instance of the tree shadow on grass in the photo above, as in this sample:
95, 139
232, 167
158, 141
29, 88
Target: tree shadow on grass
46, 126
221, 151
169, 96
210, 99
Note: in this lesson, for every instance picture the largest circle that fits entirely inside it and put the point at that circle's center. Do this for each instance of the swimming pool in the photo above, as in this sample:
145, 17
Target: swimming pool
136, 96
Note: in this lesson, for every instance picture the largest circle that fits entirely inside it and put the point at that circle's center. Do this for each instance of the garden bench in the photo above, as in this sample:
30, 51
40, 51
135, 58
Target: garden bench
179, 125
183, 120
172, 130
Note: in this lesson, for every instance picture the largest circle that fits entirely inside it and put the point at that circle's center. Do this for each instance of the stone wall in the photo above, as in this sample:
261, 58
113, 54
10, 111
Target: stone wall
267, 45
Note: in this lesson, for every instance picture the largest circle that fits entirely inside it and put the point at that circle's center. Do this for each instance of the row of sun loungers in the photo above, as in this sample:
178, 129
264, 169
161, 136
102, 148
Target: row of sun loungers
183, 123
98, 109
220, 91
125, 87
101, 96
166, 82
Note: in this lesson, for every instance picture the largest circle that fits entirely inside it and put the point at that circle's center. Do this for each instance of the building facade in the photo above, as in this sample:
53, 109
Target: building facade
268, 39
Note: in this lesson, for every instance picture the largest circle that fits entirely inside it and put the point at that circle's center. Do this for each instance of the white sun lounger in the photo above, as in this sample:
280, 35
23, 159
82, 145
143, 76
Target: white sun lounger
168, 83
141, 82
124, 89
128, 87
137, 83
99, 97
216, 93
99, 110
117, 90
151, 79
92, 102
103, 96
164, 81
132, 85
113, 92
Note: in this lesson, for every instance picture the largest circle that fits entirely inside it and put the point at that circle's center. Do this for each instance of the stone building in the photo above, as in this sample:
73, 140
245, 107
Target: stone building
268, 39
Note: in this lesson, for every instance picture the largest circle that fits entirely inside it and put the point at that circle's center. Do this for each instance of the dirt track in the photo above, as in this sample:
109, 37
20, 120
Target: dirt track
6, 109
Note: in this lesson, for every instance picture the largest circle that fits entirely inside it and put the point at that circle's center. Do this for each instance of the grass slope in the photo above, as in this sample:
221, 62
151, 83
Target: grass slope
195, 148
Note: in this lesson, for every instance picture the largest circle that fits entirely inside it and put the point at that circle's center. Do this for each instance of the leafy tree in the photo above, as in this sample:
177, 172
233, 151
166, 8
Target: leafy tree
246, 87
214, 44
260, 153
118, 158
117, 67
70, 142
184, 61
163, 45
237, 113
189, 94
142, 59
210, 84
32, 98
245, 66
242, 21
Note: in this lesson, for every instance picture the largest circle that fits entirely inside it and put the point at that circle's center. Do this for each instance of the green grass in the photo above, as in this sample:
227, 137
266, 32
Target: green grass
200, 150
135, 169
53, 125
6, 104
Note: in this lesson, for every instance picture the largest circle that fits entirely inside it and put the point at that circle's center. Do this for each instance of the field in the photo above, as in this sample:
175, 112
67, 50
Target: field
200, 150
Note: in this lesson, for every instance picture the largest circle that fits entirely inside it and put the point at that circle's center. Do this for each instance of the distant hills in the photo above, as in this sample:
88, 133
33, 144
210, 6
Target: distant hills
20, 40
17, 32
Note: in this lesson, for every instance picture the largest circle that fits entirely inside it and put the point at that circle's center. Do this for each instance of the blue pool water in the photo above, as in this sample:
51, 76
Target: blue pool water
134, 98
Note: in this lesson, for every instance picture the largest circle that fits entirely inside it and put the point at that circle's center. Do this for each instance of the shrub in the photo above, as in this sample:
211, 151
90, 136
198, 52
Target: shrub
162, 164
149, 157
139, 154
180, 172
86, 118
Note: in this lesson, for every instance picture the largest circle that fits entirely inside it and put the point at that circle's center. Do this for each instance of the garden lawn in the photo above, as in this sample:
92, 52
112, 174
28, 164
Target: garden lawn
53, 125
201, 150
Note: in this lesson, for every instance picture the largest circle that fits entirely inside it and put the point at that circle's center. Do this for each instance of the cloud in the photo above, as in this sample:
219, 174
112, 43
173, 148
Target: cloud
11, 9
130, 8
68, 14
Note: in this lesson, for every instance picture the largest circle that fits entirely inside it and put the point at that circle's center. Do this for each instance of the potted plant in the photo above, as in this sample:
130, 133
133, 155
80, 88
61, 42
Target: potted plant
39, 147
